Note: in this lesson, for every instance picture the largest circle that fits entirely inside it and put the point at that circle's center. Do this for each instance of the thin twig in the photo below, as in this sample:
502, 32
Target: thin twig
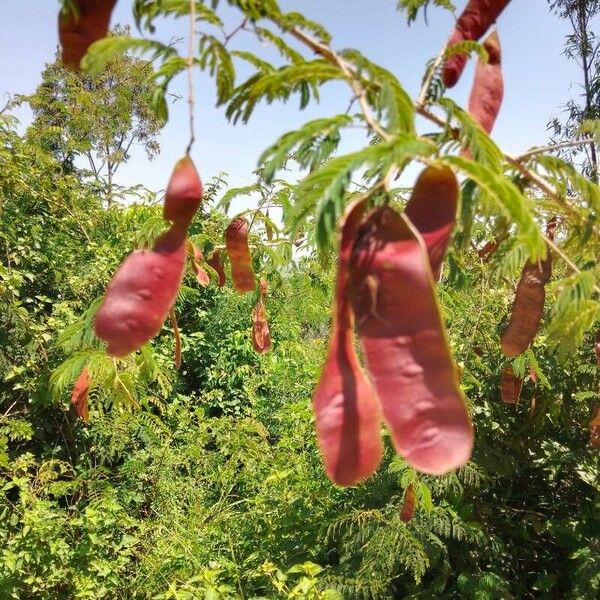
190, 69
228, 36
427, 81
552, 147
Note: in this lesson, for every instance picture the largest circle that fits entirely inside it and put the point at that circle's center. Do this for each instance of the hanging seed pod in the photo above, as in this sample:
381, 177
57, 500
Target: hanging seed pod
77, 33
510, 386
197, 259
236, 242
347, 413
184, 192
79, 396
215, 262
405, 344
432, 210
261, 336
410, 504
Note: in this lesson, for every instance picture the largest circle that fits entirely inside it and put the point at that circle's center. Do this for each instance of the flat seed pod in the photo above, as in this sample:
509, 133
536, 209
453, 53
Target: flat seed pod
176, 333
595, 429
184, 192
77, 34
79, 396
347, 412
473, 22
261, 336
141, 294
405, 345
432, 210
236, 242
215, 262
527, 308
510, 386
487, 92
409, 505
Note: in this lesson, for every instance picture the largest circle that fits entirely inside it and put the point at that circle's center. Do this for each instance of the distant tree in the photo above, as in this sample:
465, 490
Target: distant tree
100, 118
583, 46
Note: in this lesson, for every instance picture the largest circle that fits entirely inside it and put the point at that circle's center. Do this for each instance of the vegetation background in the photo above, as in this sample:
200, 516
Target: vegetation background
207, 482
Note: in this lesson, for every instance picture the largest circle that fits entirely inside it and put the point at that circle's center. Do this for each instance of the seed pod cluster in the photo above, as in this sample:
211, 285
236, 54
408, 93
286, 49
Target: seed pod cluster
473, 22
77, 33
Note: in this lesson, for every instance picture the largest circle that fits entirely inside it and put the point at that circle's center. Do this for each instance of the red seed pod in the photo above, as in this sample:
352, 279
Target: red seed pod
595, 429
263, 287
510, 386
405, 344
184, 192
236, 242
79, 396
173, 319
261, 337
141, 293
474, 21
488, 86
347, 412
432, 210
77, 34
410, 504
197, 258
527, 307
214, 262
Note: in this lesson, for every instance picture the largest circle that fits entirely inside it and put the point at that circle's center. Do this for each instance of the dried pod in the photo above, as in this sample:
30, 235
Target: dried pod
184, 192
141, 293
77, 33
236, 242
595, 429
409, 505
474, 21
527, 308
214, 262
487, 92
261, 337
510, 386
347, 412
79, 396
405, 344
432, 210
173, 318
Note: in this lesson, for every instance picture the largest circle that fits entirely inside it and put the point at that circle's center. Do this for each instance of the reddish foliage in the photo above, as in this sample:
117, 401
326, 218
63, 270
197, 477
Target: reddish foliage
405, 344
432, 210
141, 293
236, 242
347, 412
76, 35
474, 21
510, 386
184, 192
410, 504
79, 396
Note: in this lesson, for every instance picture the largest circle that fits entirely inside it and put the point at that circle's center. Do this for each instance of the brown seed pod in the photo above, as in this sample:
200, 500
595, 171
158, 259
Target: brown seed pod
79, 396
236, 242
347, 412
261, 336
263, 287
410, 503
432, 210
527, 308
184, 192
474, 21
77, 33
487, 92
405, 344
215, 262
510, 386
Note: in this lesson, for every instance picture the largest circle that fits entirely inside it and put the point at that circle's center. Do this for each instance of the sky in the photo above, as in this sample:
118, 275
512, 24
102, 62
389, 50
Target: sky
538, 78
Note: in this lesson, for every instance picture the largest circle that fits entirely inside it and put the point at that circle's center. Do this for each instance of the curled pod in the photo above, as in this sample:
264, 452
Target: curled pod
215, 262
432, 210
487, 92
473, 22
527, 308
595, 429
236, 242
141, 294
79, 395
77, 33
261, 336
184, 192
510, 386
197, 259
409, 505
405, 344
347, 412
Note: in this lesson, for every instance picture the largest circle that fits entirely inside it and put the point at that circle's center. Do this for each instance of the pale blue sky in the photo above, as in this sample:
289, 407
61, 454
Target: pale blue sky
538, 79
